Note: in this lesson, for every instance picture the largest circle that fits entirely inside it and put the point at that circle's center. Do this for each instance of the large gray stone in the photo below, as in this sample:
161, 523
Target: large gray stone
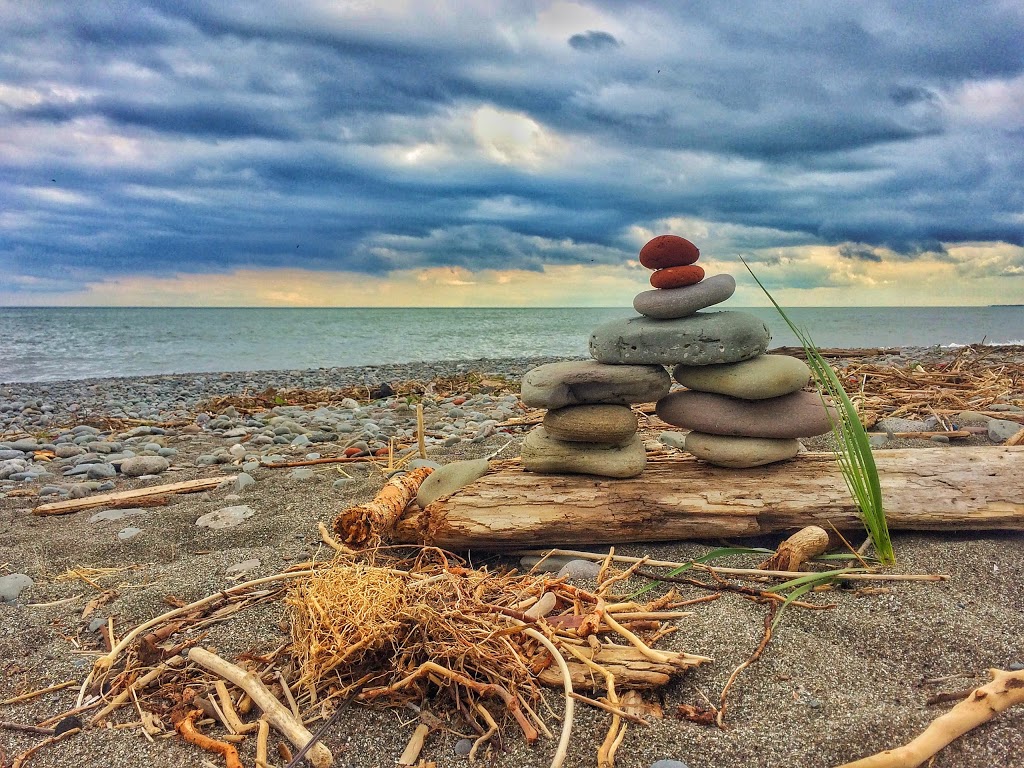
12, 585
137, 466
225, 517
798, 414
541, 453
1001, 430
703, 338
591, 423
580, 382
758, 378
450, 478
740, 452
671, 303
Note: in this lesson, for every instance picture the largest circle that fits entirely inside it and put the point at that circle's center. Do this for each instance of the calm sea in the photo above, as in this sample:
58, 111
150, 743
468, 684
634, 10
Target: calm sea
41, 344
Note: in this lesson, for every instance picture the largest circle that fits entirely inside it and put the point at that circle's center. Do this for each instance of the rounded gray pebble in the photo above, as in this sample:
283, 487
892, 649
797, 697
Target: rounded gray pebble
127, 534
668, 764
463, 746
12, 585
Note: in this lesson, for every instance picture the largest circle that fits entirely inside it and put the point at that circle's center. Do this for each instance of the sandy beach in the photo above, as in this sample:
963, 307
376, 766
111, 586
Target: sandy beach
832, 685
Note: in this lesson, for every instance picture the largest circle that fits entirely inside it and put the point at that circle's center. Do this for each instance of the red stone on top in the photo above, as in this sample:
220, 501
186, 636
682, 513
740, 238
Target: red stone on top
668, 251
677, 277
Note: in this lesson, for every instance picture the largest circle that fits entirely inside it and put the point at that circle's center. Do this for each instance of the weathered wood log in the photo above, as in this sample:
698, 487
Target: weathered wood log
681, 498
103, 499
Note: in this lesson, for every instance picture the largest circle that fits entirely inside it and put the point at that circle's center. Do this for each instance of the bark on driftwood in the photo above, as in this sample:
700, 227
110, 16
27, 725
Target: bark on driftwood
681, 498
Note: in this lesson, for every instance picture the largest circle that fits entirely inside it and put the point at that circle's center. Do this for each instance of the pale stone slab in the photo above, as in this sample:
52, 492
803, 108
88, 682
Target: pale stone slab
740, 452
580, 382
541, 453
758, 378
703, 338
448, 478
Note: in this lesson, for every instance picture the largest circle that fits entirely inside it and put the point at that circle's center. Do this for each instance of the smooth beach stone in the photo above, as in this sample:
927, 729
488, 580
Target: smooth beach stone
677, 277
1001, 430
450, 478
740, 452
137, 466
703, 338
541, 453
12, 585
758, 378
591, 423
670, 303
581, 382
668, 251
798, 414
225, 517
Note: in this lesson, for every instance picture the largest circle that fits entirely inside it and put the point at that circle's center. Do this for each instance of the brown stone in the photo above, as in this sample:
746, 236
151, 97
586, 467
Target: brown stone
668, 251
799, 414
591, 423
677, 277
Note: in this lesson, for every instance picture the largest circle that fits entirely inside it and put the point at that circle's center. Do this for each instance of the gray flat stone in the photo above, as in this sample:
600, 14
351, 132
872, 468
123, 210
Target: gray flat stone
591, 423
740, 452
127, 534
799, 414
12, 585
672, 303
541, 453
450, 478
137, 466
758, 378
226, 517
673, 439
1001, 430
703, 338
243, 567
556, 385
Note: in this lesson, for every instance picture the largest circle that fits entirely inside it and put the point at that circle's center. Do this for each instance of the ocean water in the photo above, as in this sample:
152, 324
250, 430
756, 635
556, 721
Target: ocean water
45, 344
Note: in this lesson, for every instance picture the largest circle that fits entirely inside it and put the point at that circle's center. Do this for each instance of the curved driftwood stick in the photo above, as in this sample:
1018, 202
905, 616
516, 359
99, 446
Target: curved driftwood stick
1005, 690
275, 712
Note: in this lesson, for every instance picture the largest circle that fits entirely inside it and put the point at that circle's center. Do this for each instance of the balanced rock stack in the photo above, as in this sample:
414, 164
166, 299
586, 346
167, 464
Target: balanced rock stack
744, 408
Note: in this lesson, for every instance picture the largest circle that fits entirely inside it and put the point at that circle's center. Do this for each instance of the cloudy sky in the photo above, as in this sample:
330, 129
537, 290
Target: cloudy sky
332, 153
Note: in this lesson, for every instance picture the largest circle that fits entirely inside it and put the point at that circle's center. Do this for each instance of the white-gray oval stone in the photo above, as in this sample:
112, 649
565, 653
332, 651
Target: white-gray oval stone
740, 452
13, 584
541, 453
579, 382
670, 303
226, 517
703, 338
450, 478
137, 466
758, 378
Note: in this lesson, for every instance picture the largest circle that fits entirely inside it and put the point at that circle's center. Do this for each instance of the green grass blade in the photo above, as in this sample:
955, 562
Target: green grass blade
856, 461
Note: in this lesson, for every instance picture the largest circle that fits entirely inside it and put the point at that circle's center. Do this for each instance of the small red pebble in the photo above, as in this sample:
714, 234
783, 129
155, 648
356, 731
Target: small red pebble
668, 251
458, 401
381, 452
677, 277
350, 452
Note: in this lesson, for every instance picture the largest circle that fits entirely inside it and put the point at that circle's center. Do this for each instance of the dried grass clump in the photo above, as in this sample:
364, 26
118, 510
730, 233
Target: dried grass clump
343, 613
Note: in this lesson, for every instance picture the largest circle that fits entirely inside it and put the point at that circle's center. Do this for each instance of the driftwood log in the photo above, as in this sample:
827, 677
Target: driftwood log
955, 489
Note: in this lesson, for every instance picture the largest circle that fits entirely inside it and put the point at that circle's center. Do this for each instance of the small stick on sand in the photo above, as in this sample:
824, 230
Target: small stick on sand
24, 757
276, 714
39, 692
186, 726
262, 737
1005, 690
172, 663
797, 549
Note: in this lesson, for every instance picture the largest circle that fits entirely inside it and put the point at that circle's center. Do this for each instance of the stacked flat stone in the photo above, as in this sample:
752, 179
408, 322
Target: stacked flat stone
744, 408
589, 427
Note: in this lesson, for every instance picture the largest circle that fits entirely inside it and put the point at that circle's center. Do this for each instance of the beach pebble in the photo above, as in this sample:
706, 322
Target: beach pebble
1001, 430
673, 439
798, 414
551, 564
703, 338
896, 424
556, 385
137, 466
941, 439
758, 378
127, 534
301, 473
740, 452
965, 418
671, 303
591, 423
100, 471
668, 764
541, 453
246, 566
226, 517
668, 251
450, 478
117, 514
580, 569
243, 480
463, 747
878, 439
677, 277
12, 585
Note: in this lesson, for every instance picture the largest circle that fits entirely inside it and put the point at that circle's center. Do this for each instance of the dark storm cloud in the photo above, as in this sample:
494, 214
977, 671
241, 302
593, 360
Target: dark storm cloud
593, 40
190, 136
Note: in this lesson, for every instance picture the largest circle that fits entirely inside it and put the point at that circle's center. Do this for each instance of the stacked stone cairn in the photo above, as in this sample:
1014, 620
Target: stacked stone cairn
743, 408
